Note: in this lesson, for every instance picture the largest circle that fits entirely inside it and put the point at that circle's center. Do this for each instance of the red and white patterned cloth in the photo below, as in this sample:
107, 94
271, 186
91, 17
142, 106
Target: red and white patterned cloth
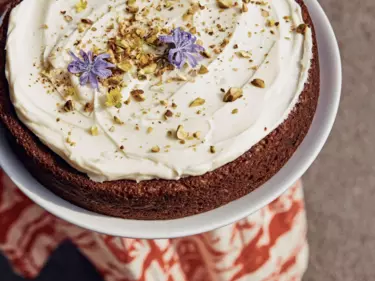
267, 246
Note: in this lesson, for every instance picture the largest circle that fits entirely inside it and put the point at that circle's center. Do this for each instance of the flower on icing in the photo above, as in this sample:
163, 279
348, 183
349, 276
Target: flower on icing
183, 48
90, 68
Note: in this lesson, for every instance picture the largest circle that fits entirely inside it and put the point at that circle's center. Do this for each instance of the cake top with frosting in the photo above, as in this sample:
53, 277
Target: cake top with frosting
155, 89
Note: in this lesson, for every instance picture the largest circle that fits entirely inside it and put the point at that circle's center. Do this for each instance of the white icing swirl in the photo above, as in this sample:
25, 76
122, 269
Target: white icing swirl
283, 60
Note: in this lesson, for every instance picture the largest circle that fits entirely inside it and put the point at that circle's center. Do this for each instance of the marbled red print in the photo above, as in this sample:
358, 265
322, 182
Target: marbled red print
269, 245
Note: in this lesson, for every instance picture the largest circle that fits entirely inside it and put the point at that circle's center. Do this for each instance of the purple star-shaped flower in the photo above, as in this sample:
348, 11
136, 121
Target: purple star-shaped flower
90, 68
183, 48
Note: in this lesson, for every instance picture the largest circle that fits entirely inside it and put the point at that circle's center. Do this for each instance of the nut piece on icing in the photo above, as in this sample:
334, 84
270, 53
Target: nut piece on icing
68, 106
198, 102
89, 107
212, 149
301, 29
243, 54
258, 83
197, 135
203, 70
244, 9
132, 7
233, 94
181, 134
168, 114
138, 95
224, 4
155, 149
94, 131
118, 120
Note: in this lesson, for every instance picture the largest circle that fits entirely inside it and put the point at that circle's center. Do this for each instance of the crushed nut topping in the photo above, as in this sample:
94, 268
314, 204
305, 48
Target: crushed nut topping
168, 114
233, 94
301, 29
68, 106
244, 9
118, 120
224, 4
258, 83
94, 131
89, 107
243, 54
212, 149
138, 95
155, 149
197, 102
180, 133
203, 70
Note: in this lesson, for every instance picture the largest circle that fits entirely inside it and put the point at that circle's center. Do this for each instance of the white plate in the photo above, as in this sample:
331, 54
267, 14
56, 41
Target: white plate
327, 109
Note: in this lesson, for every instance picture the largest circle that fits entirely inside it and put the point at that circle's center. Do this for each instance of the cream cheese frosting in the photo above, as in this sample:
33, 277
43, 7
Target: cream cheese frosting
137, 139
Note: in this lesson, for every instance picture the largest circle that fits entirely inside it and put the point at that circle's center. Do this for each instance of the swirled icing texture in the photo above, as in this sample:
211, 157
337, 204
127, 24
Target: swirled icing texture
39, 35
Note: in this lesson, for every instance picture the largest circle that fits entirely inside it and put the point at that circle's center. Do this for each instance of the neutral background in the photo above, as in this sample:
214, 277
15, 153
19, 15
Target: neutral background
340, 186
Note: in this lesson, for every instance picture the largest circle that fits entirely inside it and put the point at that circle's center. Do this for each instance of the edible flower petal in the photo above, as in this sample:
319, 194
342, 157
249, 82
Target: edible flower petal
183, 48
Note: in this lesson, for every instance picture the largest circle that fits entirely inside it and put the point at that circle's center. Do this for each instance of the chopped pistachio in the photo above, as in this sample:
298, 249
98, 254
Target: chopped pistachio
150, 69
94, 131
114, 98
155, 149
270, 23
168, 114
132, 7
243, 54
118, 120
203, 69
70, 91
68, 18
301, 28
87, 21
244, 9
125, 66
149, 130
164, 102
89, 107
81, 6
68, 106
224, 4
233, 94
265, 13
212, 149
138, 95
197, 102
197, 135
235, 111
258, 83
206, 54
180, 133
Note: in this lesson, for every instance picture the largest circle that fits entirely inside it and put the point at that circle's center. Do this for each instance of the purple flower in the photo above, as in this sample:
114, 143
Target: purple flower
183, 48
90, 68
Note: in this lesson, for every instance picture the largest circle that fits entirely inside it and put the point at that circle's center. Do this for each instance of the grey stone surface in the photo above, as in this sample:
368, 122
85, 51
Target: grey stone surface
340, 186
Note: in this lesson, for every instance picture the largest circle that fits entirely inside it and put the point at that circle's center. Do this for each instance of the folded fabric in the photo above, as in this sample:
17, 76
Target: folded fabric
269, 245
